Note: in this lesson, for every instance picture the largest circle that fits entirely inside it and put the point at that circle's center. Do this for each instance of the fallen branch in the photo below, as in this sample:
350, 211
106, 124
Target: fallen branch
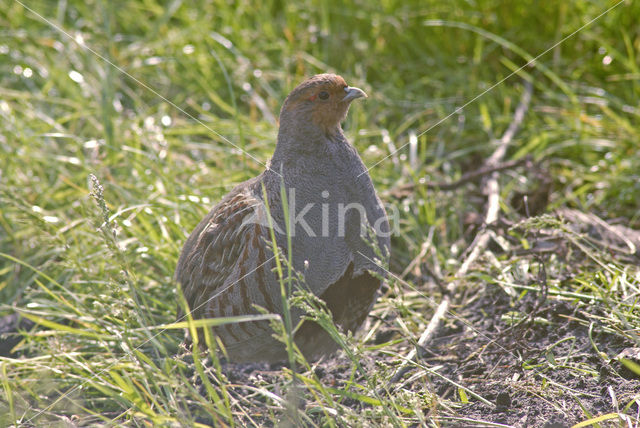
614, 238
479, 244
405, 190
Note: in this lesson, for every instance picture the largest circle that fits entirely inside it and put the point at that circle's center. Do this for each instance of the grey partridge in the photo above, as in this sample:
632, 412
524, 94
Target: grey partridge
339, 232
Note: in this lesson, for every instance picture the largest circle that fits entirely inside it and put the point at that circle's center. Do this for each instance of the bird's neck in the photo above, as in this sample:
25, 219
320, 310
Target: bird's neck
307, 141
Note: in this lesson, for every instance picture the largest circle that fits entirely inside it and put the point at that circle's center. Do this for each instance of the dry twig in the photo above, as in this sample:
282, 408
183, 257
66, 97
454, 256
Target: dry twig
479, 244
403, 191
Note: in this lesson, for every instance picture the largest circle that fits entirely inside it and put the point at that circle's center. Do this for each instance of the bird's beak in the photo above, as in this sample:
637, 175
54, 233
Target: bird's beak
353, 93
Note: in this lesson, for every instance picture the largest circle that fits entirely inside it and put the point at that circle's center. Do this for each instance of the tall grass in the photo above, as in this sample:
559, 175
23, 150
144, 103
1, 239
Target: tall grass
91, 260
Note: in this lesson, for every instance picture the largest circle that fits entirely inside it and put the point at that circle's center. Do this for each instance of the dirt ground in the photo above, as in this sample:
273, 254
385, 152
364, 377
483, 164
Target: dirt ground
542, 371
491, 359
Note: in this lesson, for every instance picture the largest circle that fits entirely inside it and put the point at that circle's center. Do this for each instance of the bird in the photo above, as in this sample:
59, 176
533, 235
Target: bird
338, 239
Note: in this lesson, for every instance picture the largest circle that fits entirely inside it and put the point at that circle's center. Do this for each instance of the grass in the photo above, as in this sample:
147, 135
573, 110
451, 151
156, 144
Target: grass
101, 180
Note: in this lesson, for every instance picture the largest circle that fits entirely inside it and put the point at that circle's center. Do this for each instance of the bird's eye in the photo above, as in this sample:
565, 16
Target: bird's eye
323, 95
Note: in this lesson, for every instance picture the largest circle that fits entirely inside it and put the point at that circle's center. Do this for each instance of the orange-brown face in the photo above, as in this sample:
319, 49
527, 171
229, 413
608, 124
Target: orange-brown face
323, 99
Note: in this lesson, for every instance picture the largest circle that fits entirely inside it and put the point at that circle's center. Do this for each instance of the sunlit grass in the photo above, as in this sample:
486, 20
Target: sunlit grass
94, 268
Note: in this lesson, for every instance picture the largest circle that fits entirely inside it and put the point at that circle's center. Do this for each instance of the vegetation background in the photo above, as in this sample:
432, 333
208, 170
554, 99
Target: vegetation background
160, 100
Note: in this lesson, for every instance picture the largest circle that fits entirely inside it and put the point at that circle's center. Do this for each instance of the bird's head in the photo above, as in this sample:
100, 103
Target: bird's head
320, 102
